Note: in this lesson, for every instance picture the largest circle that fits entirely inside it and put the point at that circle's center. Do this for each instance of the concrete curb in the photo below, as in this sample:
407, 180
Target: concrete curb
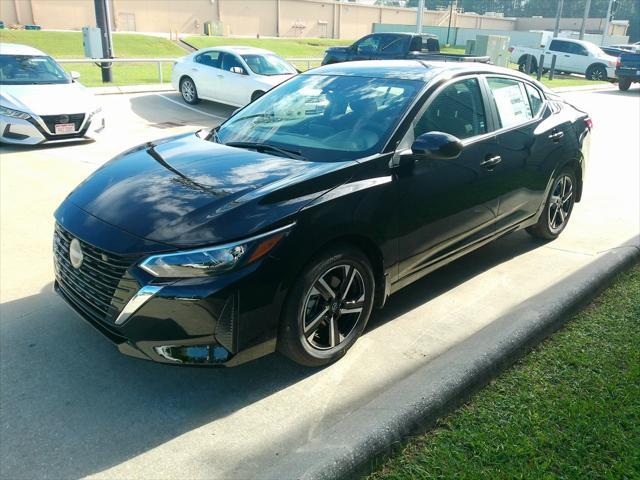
415, 403
584, 88
117, 90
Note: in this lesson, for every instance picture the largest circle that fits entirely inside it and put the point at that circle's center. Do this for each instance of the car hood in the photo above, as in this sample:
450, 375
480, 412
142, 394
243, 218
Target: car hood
185, 191
54, 99
273, 80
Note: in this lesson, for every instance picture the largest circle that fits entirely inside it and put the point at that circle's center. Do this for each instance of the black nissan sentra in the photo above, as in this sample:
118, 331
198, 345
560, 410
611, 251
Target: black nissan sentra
284, 227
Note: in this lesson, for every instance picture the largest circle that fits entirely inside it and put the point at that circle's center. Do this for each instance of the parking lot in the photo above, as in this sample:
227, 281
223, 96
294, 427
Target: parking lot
72, 406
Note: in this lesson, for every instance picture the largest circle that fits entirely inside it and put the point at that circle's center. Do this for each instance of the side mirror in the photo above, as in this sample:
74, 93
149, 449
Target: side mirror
74, 75
238, 70
437, 146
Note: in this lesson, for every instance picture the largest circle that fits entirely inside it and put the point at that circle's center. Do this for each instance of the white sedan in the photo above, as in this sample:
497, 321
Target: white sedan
230, 75
40, 102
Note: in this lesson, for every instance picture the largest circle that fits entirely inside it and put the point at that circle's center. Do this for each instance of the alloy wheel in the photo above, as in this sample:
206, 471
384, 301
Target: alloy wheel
188, 90
333, 306
560, 203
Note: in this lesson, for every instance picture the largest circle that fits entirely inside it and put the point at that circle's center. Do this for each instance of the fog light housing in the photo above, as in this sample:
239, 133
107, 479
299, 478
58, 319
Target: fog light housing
194, 354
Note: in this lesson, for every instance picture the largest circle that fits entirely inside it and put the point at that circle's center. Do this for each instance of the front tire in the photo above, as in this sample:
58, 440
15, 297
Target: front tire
558, 207
189, 91
328, 307
596, 72
256, 95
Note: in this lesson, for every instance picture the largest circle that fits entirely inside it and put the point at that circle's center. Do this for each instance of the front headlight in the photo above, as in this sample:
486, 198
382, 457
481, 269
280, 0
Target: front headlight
206, 262
10, 112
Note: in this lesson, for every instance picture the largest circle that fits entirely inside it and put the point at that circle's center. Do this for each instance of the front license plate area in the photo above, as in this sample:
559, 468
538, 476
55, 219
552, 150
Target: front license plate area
62, 128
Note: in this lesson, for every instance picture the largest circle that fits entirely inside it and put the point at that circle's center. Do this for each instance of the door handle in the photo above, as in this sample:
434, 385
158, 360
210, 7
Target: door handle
194, 69
567, 56
220, 76
491, 161
556, 135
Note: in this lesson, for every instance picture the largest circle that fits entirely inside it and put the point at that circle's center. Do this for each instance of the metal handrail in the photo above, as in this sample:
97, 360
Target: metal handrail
158, 61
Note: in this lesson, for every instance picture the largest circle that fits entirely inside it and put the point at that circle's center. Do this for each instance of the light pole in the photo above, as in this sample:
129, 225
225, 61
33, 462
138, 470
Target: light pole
420, 14
587, 5
104, 24
605, 32
556, 30
450, 15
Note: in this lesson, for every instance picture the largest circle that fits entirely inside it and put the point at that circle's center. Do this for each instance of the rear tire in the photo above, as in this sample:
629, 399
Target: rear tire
328, 307
522, 64
558, 207
596, 72
624, 84
189, 91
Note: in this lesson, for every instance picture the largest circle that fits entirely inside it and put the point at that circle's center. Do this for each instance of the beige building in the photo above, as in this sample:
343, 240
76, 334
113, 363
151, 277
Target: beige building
273, 18
284, 18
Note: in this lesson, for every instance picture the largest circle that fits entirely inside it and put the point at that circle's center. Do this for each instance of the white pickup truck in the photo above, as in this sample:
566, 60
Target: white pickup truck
572, 56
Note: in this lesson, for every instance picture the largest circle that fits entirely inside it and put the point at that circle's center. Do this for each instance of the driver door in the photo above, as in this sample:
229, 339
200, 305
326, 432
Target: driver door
445, 205
367, 48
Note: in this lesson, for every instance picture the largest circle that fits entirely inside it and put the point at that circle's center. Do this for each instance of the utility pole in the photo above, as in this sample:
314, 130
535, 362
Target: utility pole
556, 30
451, 2
587, 5
103, 22
420, 14
605, 32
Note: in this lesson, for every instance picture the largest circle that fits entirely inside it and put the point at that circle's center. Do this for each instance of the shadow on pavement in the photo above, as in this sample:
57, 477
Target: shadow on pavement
632, 92
157, 109
73, 406
454, 274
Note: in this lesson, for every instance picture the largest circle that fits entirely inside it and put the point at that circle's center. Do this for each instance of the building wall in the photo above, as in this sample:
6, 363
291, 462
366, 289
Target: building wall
186, 16
285, 18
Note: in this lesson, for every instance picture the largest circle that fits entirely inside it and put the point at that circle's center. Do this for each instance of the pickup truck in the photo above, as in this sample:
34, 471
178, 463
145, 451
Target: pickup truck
572, 56
391, 46
628, 70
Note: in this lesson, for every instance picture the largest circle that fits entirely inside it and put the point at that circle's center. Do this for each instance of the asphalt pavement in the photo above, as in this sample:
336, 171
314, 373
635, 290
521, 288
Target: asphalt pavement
71, 406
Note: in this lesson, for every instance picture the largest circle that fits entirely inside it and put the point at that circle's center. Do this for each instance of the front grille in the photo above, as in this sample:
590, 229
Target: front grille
52, 120
101, 287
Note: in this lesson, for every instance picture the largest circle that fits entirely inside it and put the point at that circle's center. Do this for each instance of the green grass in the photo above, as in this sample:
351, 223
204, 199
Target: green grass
569, 410
126, 45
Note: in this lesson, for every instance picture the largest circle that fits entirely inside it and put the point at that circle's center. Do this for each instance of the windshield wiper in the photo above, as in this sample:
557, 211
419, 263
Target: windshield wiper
260, 147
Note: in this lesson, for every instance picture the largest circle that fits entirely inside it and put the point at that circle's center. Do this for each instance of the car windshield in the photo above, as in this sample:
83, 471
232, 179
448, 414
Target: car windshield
268, 65
30, 70
324, 118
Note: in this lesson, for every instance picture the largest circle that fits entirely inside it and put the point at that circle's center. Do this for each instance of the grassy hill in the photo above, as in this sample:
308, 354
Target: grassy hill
126, 45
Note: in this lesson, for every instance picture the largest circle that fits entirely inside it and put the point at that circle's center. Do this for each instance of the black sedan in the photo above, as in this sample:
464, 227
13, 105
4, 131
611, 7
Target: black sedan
284, 227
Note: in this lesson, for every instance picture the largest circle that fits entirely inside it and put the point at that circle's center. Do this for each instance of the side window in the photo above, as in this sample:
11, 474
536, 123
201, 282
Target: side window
210, 59
510, 100
577, 49
230, 61
368, 44
558, 46
535, 99
392, 44
457, 110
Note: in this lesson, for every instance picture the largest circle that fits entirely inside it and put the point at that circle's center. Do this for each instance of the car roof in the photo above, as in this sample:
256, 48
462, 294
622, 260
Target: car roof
16, 49
238, 49
423, 70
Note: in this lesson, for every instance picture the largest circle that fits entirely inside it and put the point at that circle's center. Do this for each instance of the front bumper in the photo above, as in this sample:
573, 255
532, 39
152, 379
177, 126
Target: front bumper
225, 320
34, 130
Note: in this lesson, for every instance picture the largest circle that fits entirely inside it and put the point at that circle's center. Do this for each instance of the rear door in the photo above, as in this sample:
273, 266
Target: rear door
205, 71
529, 143
560, 48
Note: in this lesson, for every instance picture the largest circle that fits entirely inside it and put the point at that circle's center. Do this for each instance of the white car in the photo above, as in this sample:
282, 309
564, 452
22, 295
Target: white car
230, 75
572, 56
40, 102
